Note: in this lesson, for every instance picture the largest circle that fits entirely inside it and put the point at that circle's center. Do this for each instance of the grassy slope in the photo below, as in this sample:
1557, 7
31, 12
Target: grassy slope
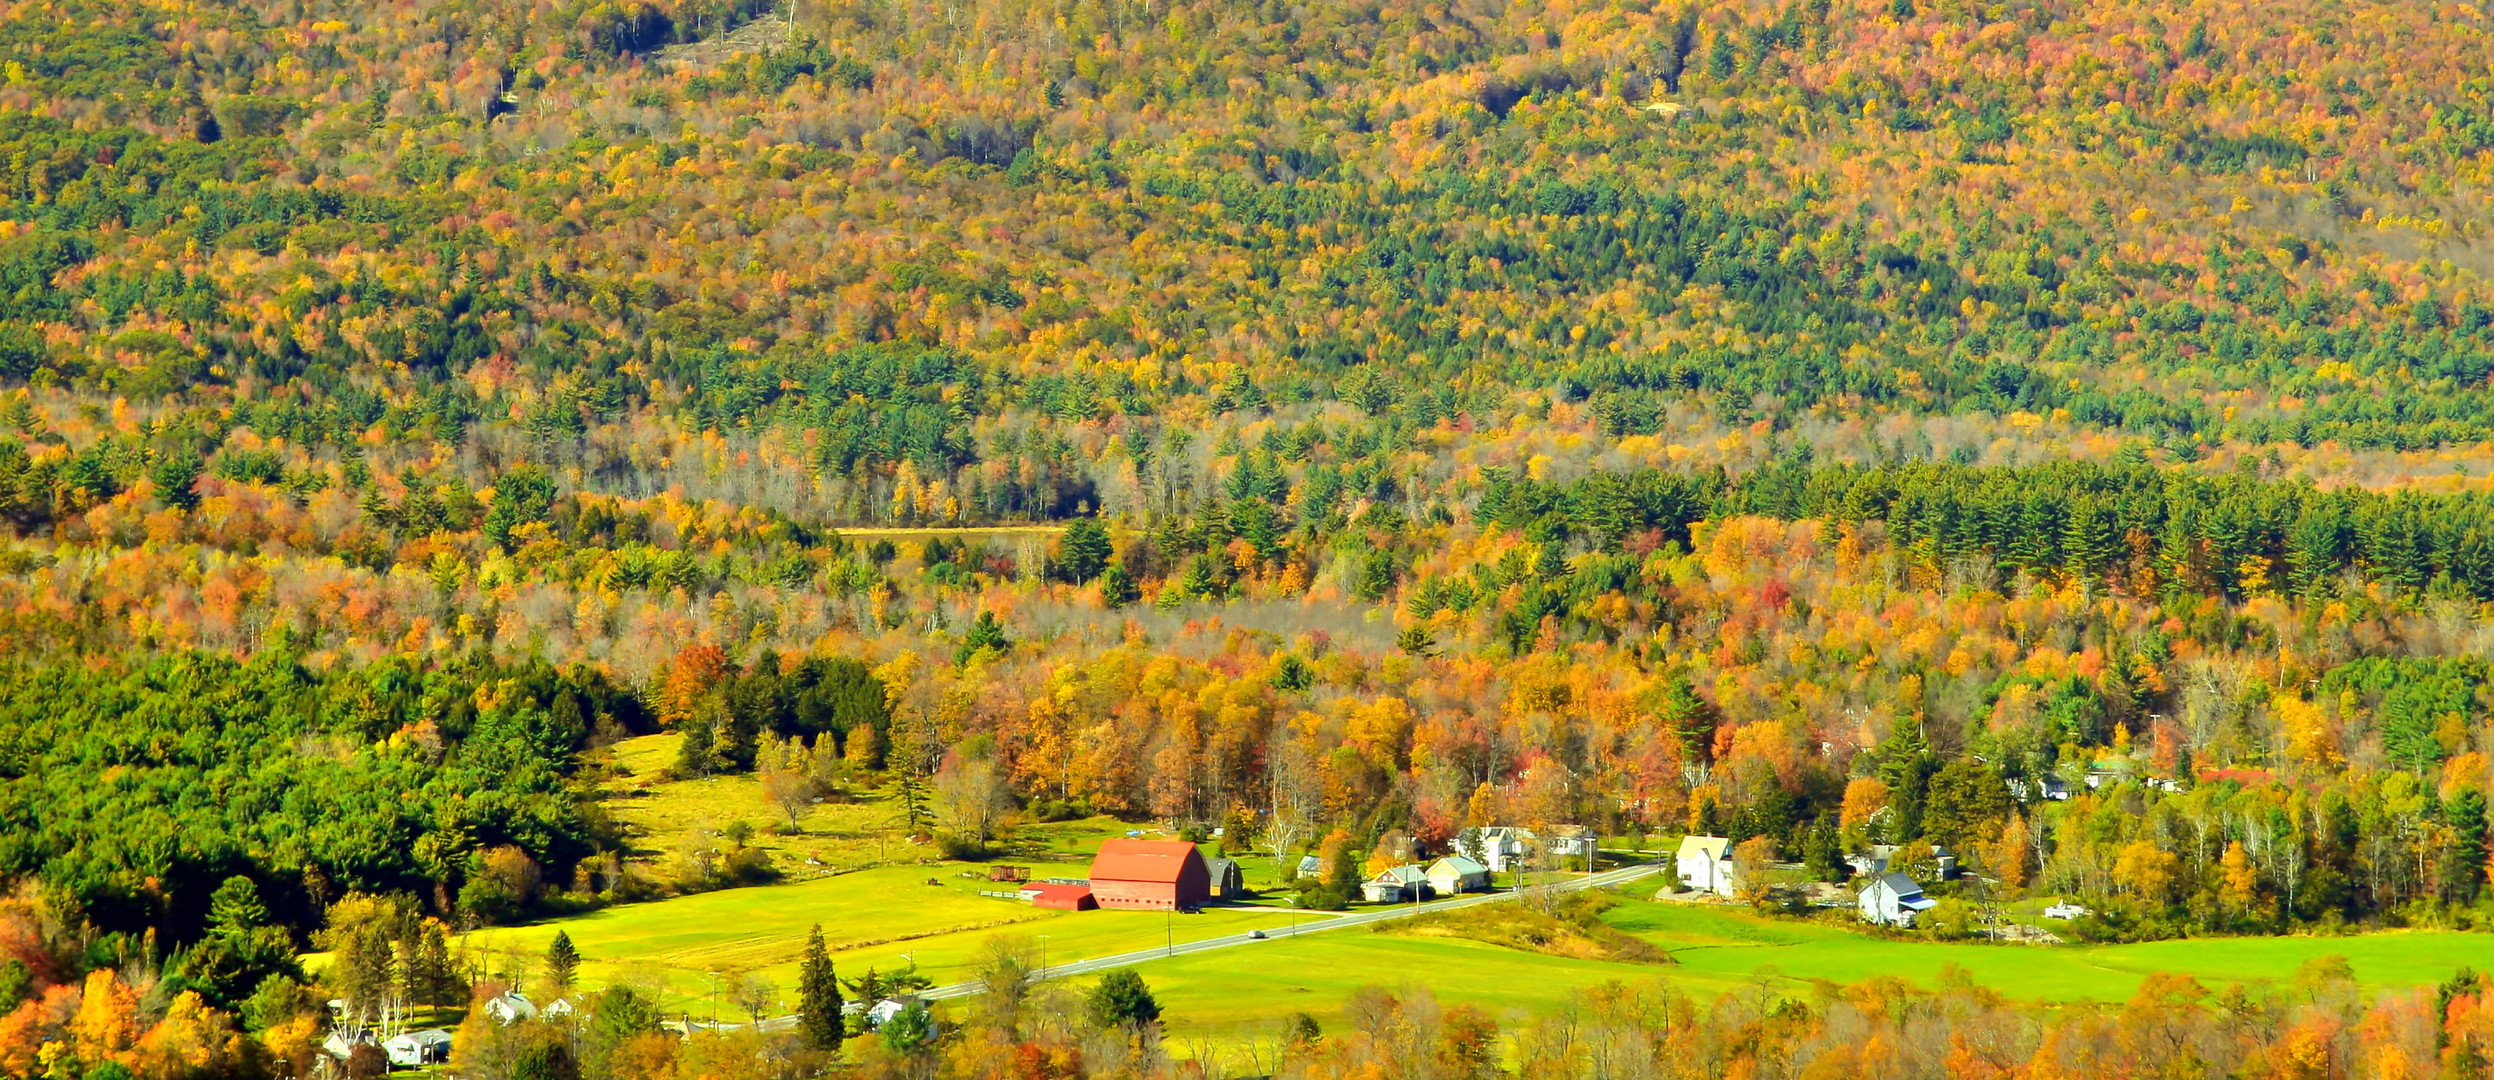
872, 918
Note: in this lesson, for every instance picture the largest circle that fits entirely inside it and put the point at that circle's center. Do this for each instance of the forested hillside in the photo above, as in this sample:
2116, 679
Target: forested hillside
1819, 423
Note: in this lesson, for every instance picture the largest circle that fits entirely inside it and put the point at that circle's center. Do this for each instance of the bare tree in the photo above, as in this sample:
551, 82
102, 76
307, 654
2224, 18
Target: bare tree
788, 779
974, 796
1008, 968
755, 994
1294, 801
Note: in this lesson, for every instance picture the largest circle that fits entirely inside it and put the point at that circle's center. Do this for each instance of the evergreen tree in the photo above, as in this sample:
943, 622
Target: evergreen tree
1118, 588
1376, 576
1085, 551
2464, 859
818, 996
522, 496
1825, 855
434, 979
697, 755
1121, 999
986, 635
909, 1030
235, 909
1906, 763
562, 961
174, 474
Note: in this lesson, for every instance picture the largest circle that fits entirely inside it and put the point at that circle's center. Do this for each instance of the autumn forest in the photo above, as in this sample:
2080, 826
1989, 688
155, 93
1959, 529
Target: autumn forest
2059, 433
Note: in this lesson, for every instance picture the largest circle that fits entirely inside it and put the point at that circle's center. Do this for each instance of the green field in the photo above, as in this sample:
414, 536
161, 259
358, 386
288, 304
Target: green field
883, 918
885, 903
1717, 949
888, 917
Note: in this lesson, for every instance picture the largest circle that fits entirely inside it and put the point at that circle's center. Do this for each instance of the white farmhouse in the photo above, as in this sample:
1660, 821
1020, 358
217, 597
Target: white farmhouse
1893, 899
1705, 864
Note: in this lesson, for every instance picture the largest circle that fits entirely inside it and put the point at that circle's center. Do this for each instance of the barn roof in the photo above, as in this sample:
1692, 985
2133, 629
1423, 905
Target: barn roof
1141, 860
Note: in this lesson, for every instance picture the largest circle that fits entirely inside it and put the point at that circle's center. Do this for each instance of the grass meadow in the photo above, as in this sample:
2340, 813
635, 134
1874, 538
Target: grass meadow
888, 904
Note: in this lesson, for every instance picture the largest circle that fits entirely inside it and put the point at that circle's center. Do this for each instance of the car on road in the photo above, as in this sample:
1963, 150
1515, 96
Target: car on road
1255, 935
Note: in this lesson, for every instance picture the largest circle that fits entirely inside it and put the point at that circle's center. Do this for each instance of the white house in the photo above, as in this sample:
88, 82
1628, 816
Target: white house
1893, 900
1574, 842
2046, 786
1396, 885
510, 1007
1457, 874
1705, 864
342, 1042
412, 1049
882, 1012
1311, 866
1873, 861
2065, 910
1504, 846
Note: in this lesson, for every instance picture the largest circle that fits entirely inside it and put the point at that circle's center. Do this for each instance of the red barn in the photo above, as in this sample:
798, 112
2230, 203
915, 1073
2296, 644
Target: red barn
1149, 875
1060, 897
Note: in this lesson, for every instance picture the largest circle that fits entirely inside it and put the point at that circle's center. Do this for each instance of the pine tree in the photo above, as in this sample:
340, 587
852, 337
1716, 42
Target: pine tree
1118, 588
562, 961
986, 635
818, 996
437, 979
235, 909
1085, 551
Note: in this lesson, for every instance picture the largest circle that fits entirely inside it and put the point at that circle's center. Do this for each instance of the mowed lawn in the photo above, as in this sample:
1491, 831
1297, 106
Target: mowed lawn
883, 918
1231, 994
1725, 947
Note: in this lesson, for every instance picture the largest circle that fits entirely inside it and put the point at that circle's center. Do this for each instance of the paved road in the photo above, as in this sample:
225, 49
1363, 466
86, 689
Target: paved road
1338, 922
1230, 941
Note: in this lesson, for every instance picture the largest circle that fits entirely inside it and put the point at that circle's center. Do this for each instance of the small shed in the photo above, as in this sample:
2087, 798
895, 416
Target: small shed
412, 1049
1458, 874
1396, 885
1705, 864
1892, 899
1061, 897
1228, 881
1311, 866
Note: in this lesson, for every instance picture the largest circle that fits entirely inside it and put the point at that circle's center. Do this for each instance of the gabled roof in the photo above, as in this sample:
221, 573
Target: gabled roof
1457, 864
1400, 875
1141, 860
1899, 884
1712, 847
426, 1037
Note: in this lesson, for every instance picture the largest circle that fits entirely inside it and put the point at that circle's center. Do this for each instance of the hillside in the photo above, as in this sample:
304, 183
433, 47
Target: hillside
468, 464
